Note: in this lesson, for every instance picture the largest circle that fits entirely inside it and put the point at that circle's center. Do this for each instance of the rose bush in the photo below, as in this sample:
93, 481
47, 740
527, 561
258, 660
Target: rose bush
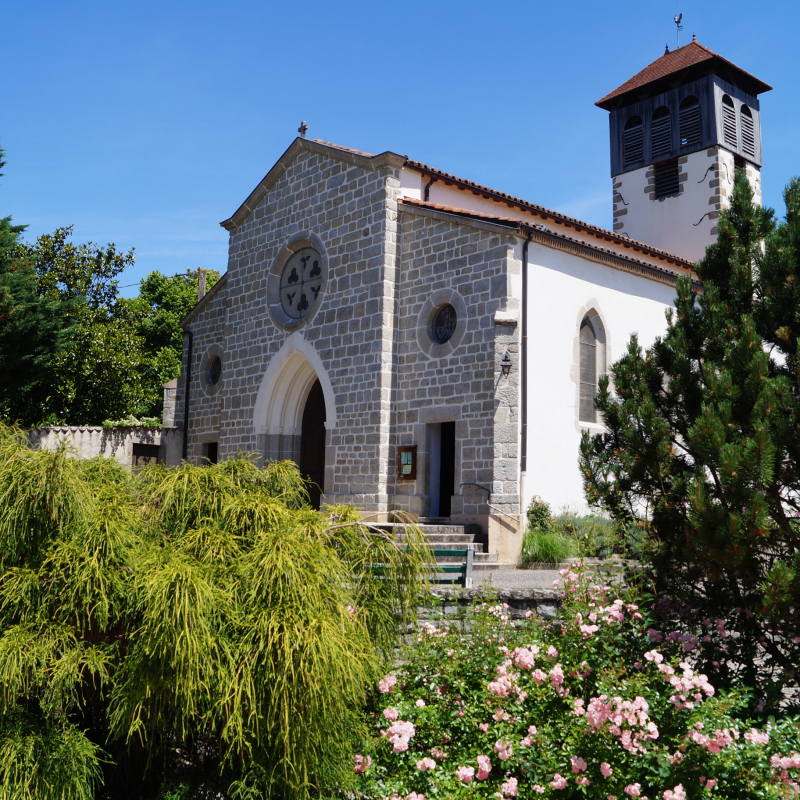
582, 706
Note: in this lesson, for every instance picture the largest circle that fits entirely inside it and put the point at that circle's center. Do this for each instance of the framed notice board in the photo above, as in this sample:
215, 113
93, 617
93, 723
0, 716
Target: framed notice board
407, 462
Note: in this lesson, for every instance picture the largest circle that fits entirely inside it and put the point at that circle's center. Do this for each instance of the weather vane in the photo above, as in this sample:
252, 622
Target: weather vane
677, 20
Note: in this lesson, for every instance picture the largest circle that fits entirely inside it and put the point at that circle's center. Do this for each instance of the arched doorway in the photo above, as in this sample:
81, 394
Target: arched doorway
312, 443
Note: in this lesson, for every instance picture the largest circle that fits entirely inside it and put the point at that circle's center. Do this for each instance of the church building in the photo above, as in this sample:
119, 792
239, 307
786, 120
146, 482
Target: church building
418, 342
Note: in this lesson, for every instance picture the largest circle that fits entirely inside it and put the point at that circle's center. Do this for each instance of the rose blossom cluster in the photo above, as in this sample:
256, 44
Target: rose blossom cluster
386, 683
399, 734
503, 749
617, 713
782, 764
677, 793
717, 741
361, 763
506, 682
466, 774
689, 687
429, 631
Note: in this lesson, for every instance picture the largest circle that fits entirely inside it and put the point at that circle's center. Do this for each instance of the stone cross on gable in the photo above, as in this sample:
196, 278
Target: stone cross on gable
302, 129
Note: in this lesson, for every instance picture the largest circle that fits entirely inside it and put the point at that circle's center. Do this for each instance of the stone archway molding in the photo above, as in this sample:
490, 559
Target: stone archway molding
285, 386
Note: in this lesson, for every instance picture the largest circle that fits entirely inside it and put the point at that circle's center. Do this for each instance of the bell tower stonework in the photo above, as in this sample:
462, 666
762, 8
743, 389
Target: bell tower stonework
678, 130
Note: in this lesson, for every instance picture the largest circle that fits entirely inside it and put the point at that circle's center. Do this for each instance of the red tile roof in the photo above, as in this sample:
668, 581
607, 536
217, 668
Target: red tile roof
683, 58
346, 149
464, 212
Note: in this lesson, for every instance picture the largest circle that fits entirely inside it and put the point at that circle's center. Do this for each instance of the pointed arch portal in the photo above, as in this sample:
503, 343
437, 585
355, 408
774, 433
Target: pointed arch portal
294, 409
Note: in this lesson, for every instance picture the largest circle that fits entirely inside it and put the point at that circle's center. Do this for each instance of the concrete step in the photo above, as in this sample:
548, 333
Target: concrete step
429, 529
441, 539
478, 555
480, 566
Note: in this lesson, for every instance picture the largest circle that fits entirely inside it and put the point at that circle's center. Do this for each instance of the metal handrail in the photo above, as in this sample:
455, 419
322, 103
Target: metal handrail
485, 489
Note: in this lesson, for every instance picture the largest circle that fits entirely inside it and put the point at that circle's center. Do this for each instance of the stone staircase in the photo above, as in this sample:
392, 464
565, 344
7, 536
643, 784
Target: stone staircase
443, 535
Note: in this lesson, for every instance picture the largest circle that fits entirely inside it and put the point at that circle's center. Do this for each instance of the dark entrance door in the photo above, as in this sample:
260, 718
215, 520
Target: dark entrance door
312, 443
447, 468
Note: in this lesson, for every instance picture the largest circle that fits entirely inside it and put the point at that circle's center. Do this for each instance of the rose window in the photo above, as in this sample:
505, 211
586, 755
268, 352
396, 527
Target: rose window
301, 283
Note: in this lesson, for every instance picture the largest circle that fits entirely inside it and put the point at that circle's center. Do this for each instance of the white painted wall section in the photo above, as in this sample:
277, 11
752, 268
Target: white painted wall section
562, 287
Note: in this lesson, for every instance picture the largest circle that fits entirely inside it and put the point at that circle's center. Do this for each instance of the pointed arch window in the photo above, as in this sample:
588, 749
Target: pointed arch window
633, 142
592, 364
689, 122
729, 132
661, 134
748, 132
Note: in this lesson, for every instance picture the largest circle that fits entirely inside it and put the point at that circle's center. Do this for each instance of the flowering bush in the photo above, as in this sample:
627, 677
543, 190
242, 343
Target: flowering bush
584, 706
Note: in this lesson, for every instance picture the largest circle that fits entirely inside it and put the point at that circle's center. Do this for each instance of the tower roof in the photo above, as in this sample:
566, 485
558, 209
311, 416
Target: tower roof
690, 61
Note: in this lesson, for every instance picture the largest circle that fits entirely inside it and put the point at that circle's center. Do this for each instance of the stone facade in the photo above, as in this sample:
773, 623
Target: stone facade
388, 268
469, 266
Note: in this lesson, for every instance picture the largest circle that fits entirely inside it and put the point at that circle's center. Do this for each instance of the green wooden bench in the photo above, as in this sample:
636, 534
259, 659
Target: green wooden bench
454, 573
460, 573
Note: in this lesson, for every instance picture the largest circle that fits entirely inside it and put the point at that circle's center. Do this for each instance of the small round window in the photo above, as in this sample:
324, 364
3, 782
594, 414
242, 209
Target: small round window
444, 324
214, 371
301, 283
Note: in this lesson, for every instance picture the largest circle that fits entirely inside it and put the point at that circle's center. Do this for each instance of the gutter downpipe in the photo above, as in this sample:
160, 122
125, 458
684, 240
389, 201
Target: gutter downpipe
523, 358
186, 394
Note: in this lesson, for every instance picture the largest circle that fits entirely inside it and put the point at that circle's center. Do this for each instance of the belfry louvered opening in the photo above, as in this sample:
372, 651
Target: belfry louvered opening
667, 182
689, 122
588, 387
633, 142
748, 133
729, 132
661, 134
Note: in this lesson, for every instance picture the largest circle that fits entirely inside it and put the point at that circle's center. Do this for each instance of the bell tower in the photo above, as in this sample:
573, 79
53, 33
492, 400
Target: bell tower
678, 129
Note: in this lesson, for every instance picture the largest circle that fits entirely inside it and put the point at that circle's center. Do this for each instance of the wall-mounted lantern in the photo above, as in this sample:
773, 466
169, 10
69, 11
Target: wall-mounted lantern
505, 364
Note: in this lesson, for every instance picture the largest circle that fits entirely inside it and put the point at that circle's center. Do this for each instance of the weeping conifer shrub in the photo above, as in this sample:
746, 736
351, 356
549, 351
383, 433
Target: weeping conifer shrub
188, 631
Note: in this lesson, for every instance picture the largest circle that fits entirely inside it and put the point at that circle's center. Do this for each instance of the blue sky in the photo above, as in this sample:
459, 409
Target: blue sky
146, 124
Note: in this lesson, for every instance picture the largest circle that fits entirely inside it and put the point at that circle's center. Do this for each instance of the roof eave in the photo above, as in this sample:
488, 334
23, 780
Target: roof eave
546, 213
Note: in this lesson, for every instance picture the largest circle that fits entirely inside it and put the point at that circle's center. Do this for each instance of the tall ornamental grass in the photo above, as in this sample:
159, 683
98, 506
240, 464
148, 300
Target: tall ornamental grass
186, 631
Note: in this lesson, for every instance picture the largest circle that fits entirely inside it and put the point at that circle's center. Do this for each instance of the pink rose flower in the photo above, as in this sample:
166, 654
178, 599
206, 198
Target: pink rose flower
361, 763
558, 782
426, 764
386, 683
633, 789
420, 703
605, 769
391, 713
465, 774
484, 768
509, 788
484, 726
578, 764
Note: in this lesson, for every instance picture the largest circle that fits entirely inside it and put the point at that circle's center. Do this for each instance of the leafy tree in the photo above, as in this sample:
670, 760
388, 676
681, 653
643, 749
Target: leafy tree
703, 439
186, 631
160, 306
33, 329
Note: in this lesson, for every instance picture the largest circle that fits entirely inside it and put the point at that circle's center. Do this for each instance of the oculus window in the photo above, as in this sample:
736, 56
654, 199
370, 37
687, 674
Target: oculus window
444, 324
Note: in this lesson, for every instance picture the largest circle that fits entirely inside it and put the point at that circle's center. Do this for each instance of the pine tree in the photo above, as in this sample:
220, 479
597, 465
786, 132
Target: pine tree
703, 441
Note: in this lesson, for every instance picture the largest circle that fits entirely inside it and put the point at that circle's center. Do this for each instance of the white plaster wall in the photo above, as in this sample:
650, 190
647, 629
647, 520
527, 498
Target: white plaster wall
116, 443
684, 224
561, 288
412, 185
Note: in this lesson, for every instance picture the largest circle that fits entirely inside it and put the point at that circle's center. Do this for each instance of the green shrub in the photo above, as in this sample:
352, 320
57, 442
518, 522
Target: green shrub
540, 518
